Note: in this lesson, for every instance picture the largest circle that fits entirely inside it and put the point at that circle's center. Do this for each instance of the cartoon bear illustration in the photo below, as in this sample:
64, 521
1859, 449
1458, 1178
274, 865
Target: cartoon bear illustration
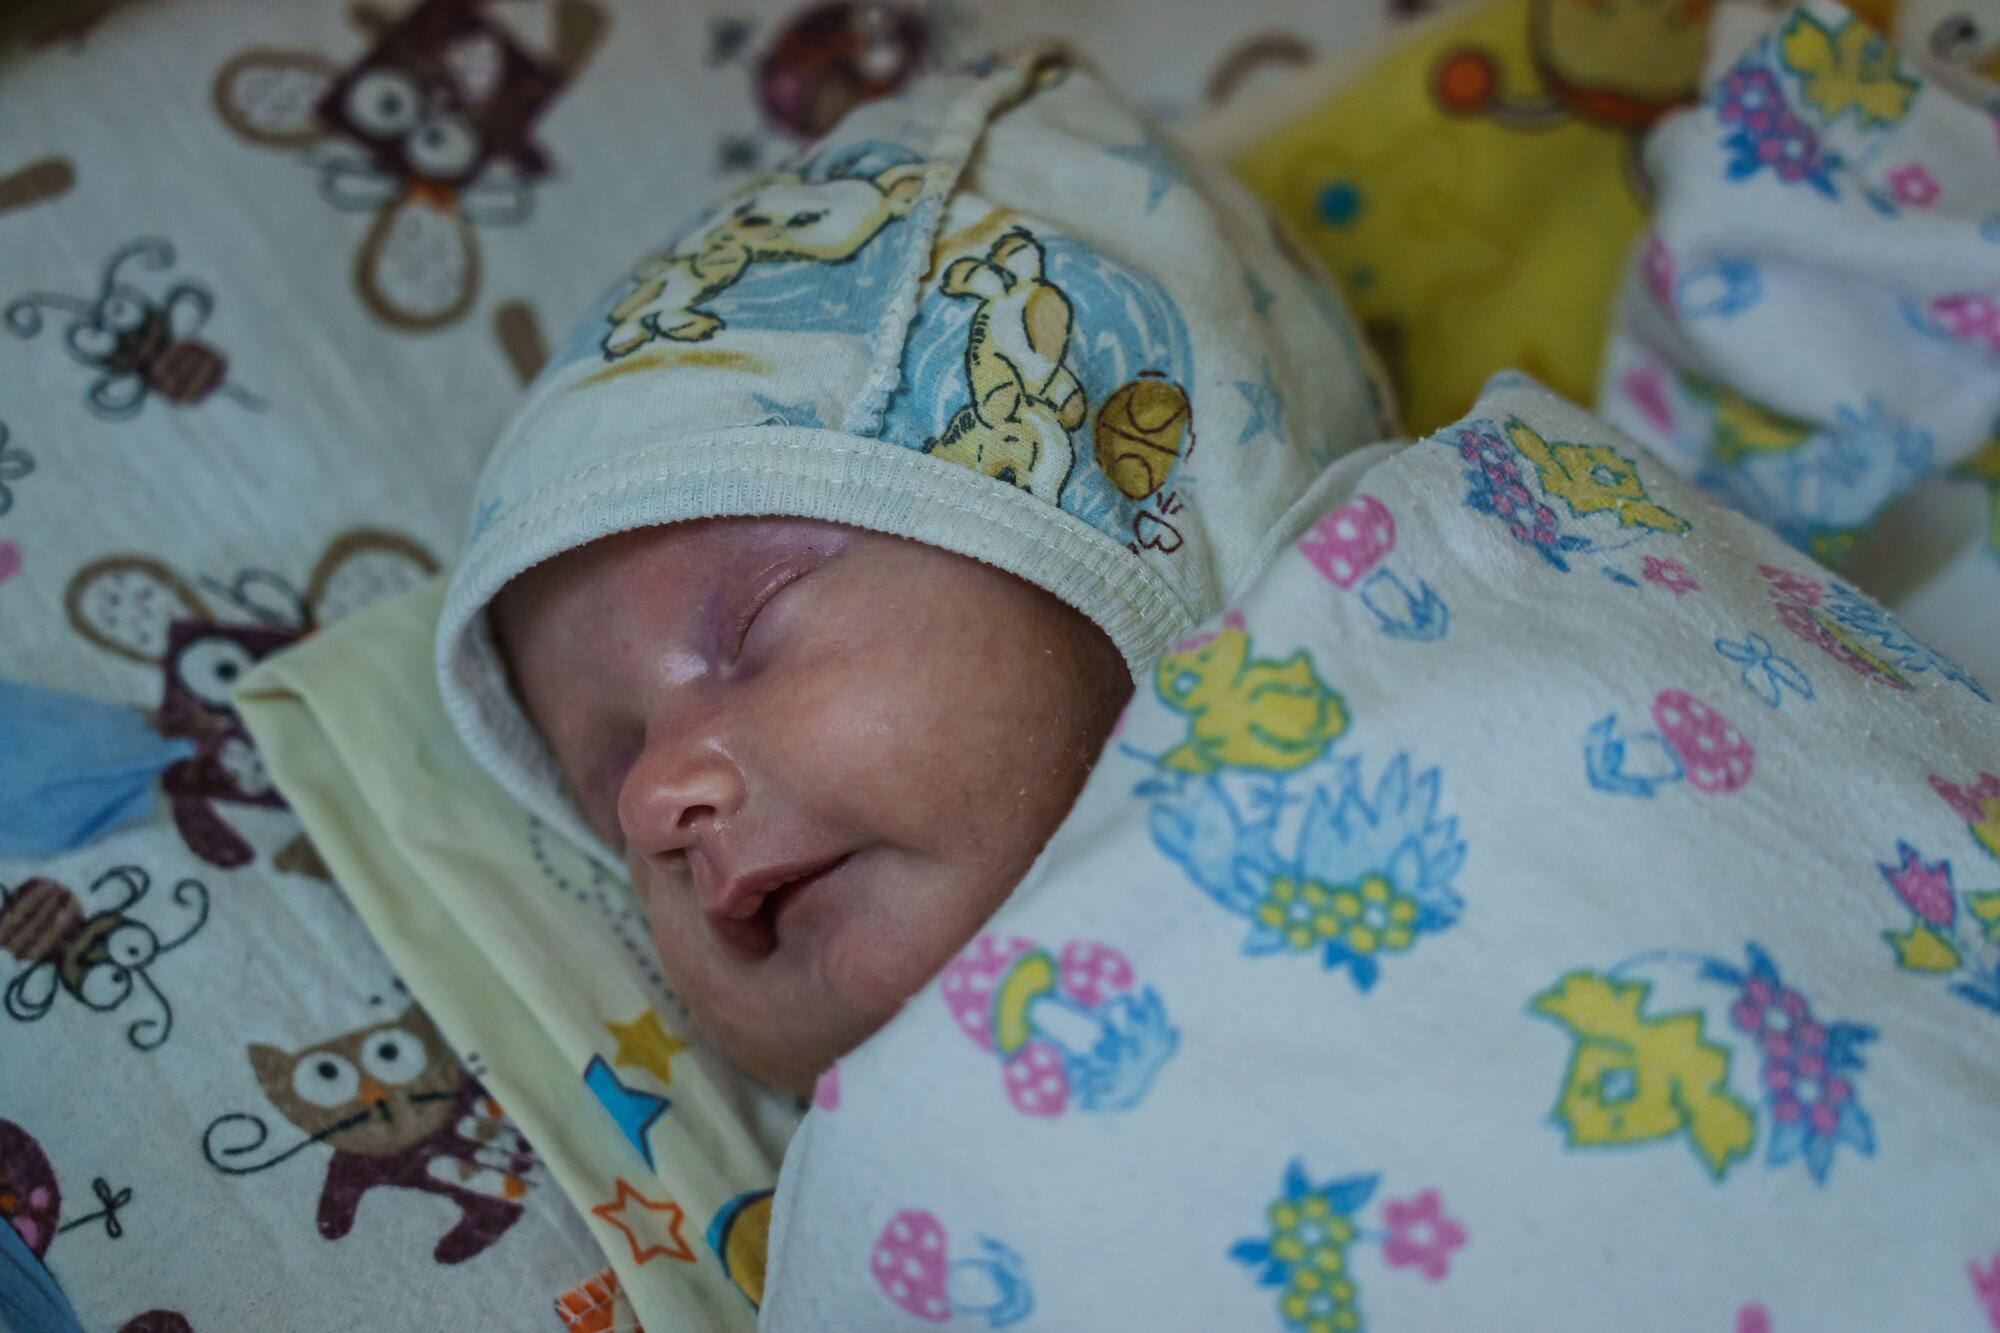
1024, 401
786, 217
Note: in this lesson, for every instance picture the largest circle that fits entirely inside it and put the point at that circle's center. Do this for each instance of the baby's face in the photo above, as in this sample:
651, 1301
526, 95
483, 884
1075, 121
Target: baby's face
827, 755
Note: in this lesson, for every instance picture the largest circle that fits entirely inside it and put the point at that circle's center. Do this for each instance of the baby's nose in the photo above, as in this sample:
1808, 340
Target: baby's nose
675, 792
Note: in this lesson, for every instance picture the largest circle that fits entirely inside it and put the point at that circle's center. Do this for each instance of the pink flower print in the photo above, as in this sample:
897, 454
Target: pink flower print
1656, 264
1750, 98
1753, 1318
1980, 800
1669, 574
826, 1092
1646, 389
1973, 317
1420, 1235
1913, 186
10, 561
1986, 1290
1780, 1019
1978, 805
1795, 586
1924, 889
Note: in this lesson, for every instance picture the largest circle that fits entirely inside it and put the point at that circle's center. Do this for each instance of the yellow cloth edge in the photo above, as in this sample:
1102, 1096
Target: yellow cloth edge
379, 862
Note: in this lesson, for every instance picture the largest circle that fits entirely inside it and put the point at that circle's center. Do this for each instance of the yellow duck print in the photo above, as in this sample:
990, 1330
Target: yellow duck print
1634, 1078
1592, 478
1246, 713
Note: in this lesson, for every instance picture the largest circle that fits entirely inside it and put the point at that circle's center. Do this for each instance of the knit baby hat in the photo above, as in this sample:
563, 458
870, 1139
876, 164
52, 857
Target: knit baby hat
997, 314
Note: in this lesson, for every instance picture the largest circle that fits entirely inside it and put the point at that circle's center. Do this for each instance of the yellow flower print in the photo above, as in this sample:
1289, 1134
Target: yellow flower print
1314, 1305
1375, 918
1921, 949
1985, 909
1302, 913
1849, 66
1592, 478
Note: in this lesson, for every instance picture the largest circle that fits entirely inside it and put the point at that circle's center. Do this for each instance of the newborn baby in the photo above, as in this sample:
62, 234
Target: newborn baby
827, 754
817, 577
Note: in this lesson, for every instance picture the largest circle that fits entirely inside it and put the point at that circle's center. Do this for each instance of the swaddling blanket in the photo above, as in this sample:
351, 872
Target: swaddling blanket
1546, 900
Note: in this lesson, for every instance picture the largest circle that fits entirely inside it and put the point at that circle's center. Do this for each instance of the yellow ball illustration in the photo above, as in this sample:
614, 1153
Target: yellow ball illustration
1140, 431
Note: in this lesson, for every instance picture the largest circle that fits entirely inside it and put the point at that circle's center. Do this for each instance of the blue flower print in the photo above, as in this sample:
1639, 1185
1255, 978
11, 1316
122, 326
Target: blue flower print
1766, 674
1499, 489
1767, 135
1808, 1067
1367, 874
1719, 289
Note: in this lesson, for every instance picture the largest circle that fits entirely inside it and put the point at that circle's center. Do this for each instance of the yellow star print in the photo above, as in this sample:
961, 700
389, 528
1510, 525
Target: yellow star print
645, 1042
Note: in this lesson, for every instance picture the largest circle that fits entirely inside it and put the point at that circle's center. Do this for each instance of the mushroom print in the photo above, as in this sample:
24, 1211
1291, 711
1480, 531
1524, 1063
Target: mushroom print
911, 1262
1856, 633
1348, 547
1068, 1028
1693, 743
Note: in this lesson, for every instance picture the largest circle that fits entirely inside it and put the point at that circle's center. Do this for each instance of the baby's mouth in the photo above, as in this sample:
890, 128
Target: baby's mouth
744, 911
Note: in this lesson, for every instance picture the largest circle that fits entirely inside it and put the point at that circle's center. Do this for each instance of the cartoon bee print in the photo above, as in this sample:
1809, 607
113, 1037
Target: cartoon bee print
137, 345
430, 131
141, 609
92, 947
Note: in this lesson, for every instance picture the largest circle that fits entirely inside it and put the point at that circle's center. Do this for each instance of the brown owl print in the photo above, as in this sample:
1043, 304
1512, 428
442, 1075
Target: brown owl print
141, 609
95, 947
137, 344
429, 131
818, 64
399, 1112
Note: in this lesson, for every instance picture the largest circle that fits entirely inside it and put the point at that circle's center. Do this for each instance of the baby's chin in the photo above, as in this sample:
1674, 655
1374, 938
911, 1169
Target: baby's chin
787, 1018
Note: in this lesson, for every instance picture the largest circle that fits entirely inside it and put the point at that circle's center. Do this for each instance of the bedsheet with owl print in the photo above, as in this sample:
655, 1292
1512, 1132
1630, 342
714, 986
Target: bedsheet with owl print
270, 277
1546, 900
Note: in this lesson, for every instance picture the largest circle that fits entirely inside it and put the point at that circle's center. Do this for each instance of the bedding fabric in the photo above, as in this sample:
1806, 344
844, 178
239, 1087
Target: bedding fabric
260, 329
